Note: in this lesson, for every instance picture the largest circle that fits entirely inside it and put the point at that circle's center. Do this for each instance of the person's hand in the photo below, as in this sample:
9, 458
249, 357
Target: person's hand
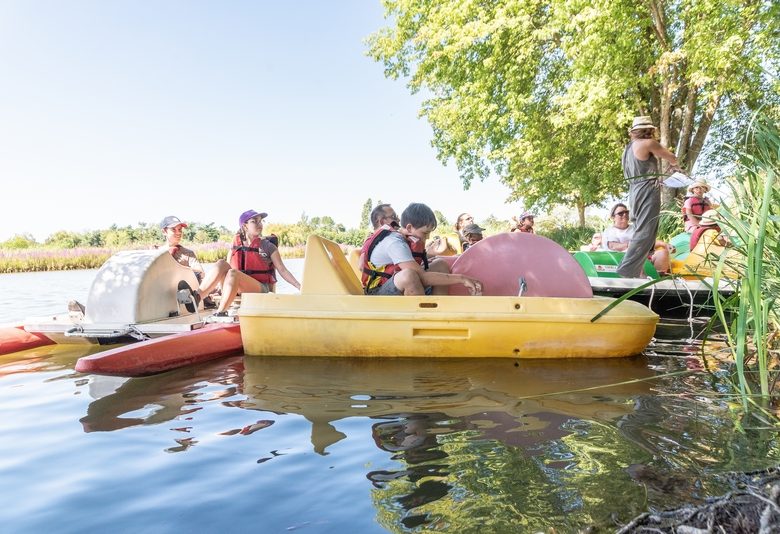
474, 286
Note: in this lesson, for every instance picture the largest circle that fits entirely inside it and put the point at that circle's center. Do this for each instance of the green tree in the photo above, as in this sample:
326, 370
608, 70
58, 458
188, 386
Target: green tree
19, 241
365, 215
541, 92
441, 220
63, 239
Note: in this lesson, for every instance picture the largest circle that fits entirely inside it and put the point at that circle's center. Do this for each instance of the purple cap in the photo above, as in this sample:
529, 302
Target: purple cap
527, 215
249, 214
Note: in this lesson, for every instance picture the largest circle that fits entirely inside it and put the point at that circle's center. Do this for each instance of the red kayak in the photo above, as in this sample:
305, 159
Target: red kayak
165, 353
15, 338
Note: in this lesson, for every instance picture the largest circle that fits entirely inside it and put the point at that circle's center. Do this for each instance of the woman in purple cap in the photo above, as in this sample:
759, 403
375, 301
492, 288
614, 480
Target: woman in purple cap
254, 261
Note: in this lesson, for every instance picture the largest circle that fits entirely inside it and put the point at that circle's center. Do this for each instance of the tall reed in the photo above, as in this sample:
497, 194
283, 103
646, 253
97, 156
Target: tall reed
753, 222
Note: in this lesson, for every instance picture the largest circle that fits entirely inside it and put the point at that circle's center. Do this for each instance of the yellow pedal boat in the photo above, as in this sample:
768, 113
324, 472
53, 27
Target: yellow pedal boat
332, 317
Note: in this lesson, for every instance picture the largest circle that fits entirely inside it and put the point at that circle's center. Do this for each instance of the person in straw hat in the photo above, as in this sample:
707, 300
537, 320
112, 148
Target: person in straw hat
696, 204
640, 168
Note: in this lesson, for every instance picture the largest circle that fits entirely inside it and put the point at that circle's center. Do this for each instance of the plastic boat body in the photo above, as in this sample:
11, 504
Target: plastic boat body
690, 292
332, 317
165, 353
134, 299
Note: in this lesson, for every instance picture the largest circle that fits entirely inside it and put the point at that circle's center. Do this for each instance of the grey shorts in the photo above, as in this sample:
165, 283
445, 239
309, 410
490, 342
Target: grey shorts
388, 288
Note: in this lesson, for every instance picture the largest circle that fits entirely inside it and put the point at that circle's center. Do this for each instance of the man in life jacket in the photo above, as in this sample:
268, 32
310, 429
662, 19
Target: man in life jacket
393, 260
695, 205
384, 214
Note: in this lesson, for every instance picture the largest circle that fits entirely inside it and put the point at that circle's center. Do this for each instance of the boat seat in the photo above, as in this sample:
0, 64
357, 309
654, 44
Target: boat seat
138, 286
326, 270
499, 261
354, 261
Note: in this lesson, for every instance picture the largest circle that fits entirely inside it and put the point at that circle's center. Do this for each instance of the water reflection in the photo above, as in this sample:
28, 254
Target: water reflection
127, 402
466, 436
508, 402
538, 443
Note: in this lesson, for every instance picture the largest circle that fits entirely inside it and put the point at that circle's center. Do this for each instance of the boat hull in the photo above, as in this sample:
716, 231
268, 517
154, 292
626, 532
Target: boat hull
165, 353
442, 326
674, 297
15, 338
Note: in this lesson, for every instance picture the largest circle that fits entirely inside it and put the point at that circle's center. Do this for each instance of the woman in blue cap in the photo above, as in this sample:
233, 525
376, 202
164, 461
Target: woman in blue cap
254, 261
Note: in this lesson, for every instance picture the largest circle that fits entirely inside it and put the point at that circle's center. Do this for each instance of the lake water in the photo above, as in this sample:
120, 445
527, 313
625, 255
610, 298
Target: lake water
249, 444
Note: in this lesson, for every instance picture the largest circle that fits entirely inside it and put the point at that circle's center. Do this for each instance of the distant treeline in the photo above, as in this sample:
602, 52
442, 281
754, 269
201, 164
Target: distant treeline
64, 250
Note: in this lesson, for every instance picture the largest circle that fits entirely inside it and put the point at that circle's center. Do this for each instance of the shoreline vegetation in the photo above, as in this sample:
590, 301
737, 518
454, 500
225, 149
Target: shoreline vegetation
89, 250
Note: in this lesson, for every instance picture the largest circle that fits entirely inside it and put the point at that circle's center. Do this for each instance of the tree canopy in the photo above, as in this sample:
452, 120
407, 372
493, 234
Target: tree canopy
541, 92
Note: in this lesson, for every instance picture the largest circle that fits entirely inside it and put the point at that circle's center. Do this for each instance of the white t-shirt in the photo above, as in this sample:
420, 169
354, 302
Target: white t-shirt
392, 249
613, 234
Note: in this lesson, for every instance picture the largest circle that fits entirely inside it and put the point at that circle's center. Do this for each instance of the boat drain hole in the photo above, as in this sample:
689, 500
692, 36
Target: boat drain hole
517, 306
428, 305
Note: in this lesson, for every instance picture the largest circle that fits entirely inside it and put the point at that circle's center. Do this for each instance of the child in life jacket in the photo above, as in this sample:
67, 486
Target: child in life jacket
695, 205
393, 260
254, 262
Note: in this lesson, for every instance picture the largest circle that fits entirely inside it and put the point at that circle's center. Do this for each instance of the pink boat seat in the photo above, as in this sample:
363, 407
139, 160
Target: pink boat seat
499, 261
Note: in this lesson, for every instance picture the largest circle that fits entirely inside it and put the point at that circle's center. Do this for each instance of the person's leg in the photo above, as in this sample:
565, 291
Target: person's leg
645, 200
409, 282
237, 282
661, 260
214, 277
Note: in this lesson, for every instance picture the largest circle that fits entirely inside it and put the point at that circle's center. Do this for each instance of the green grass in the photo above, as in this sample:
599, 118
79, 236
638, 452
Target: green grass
58, 259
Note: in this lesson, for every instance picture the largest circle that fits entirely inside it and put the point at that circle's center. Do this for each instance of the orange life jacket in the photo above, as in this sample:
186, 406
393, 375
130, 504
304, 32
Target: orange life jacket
374, 276
249, 261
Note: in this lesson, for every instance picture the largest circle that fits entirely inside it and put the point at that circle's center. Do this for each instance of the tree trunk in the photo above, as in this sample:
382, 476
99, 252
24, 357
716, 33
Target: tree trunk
687, 128
703, 130
581, 211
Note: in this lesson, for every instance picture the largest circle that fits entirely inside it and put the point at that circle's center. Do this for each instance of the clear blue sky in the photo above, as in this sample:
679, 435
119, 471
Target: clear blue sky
125, 111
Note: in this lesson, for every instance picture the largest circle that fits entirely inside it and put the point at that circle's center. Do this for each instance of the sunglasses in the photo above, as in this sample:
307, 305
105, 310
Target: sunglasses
620, 213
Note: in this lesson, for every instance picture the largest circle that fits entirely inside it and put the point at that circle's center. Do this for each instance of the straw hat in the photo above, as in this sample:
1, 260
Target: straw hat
709, 218
699, 182
642, 123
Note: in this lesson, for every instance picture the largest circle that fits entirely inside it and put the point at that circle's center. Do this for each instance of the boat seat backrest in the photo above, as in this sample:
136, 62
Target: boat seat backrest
326, 270
137, 286
501, 261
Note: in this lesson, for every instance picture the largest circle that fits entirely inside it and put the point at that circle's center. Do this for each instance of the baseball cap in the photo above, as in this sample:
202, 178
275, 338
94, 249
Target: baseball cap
171, 220
249, 214
472, 229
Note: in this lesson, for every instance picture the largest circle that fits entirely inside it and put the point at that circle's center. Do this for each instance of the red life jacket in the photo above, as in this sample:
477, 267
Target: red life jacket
373, 276
698, 231
698, 207
249, 261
